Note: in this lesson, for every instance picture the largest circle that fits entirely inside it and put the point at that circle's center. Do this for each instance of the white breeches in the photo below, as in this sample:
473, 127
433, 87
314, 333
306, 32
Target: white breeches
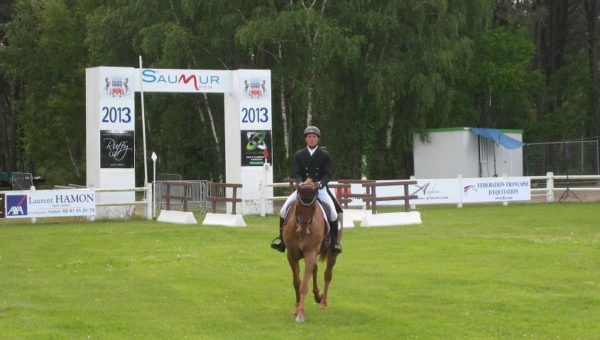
323, 197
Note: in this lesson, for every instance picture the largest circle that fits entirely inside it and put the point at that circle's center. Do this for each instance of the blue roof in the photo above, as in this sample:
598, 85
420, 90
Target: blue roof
499, 137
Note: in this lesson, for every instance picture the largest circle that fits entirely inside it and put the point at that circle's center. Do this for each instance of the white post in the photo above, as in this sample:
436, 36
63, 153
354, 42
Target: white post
263, 189
143, 127
504, 175
33, 219
413, 206
93, 217
549, 187
460, 184
149, 202
154, 158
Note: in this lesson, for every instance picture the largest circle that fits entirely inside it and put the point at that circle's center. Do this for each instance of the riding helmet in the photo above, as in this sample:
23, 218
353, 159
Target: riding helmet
312, 129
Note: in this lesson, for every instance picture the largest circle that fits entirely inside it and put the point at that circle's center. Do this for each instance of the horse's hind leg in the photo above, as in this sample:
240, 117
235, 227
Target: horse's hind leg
328, 276
316, 291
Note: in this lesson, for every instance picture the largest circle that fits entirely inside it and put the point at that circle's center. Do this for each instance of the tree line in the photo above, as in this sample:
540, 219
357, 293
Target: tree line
369, 73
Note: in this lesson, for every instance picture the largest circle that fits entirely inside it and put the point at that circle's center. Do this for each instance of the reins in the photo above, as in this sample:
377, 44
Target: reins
308, 223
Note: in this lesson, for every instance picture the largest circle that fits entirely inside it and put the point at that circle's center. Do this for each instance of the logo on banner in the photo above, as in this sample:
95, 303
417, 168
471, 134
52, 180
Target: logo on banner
199, 81
116, 87
256, 140
427, 190
255, 88
16, 205
116, 149
469, 188
256, 148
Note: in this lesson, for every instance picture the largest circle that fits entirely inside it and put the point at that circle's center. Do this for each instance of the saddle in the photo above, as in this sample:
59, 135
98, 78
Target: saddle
324, 210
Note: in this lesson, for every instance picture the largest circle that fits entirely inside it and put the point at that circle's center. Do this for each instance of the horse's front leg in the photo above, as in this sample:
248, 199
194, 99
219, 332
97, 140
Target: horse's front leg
328, 276
316, 291
310, 260
295, 266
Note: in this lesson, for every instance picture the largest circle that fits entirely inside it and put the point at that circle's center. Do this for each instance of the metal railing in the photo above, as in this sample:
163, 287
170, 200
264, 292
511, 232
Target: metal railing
199, 191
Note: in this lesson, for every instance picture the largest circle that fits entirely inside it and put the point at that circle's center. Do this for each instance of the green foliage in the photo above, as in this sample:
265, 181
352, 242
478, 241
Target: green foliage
477, 272
369, 73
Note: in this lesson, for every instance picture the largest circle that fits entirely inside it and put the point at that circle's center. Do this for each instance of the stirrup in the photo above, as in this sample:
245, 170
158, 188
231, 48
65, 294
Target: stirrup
279, 246
336, 249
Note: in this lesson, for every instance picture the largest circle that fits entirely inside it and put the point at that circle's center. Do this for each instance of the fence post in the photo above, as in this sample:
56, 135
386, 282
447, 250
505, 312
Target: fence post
149, 202
168, 195
504, 175
262, 187
413, 206
460, 185
549, 187
33, 219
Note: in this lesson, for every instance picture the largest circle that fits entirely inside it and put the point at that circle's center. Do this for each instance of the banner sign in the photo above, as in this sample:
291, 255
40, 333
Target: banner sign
256, 148
117, 149
255, 101
50, 203
496, 189
255, 117
454, 191
435, 191
117, 111
184, 81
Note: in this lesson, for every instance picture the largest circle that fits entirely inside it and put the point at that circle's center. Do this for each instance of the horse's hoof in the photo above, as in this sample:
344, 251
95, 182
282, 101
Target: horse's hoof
318, 298
299, 319
323, 307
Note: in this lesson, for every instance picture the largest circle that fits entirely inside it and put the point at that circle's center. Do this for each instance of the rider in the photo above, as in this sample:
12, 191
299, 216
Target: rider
312, 162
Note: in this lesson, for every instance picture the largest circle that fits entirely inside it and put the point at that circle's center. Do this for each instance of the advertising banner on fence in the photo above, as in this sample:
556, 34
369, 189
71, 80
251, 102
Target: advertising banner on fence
496, 189
436, 191
454, 191
50, 203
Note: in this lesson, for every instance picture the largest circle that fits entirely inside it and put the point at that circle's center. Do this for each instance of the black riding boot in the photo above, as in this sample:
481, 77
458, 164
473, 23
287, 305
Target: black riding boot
336, 248
277, 242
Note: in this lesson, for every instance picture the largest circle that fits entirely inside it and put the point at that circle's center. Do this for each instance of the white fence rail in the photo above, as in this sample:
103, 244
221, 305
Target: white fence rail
554, 183
547, 186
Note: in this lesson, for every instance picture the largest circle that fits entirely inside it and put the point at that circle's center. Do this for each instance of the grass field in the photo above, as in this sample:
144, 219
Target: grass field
522, 271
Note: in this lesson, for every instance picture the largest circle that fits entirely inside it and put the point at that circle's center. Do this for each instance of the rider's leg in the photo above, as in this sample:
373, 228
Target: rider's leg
277, 242
325, 198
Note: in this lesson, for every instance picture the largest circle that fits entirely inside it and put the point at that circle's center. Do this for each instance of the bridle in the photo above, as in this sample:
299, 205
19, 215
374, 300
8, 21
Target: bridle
305, 191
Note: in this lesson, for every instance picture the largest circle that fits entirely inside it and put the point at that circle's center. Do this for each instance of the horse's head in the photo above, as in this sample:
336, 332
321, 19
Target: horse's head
307, 195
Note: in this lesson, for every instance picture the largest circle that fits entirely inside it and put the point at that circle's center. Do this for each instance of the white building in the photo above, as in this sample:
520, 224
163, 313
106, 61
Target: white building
470, 152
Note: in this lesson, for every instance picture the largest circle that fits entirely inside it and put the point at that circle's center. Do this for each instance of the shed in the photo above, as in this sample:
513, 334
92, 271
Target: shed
470, 152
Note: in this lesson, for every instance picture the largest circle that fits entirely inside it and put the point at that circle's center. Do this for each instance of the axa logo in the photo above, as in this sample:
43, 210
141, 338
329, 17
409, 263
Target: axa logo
15, 211
16, 205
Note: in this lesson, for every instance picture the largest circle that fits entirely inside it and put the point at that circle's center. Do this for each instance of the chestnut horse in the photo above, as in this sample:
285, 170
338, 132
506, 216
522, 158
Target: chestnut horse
305, 236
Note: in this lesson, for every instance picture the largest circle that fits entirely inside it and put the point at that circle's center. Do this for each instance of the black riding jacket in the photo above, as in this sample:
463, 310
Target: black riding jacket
318, 166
